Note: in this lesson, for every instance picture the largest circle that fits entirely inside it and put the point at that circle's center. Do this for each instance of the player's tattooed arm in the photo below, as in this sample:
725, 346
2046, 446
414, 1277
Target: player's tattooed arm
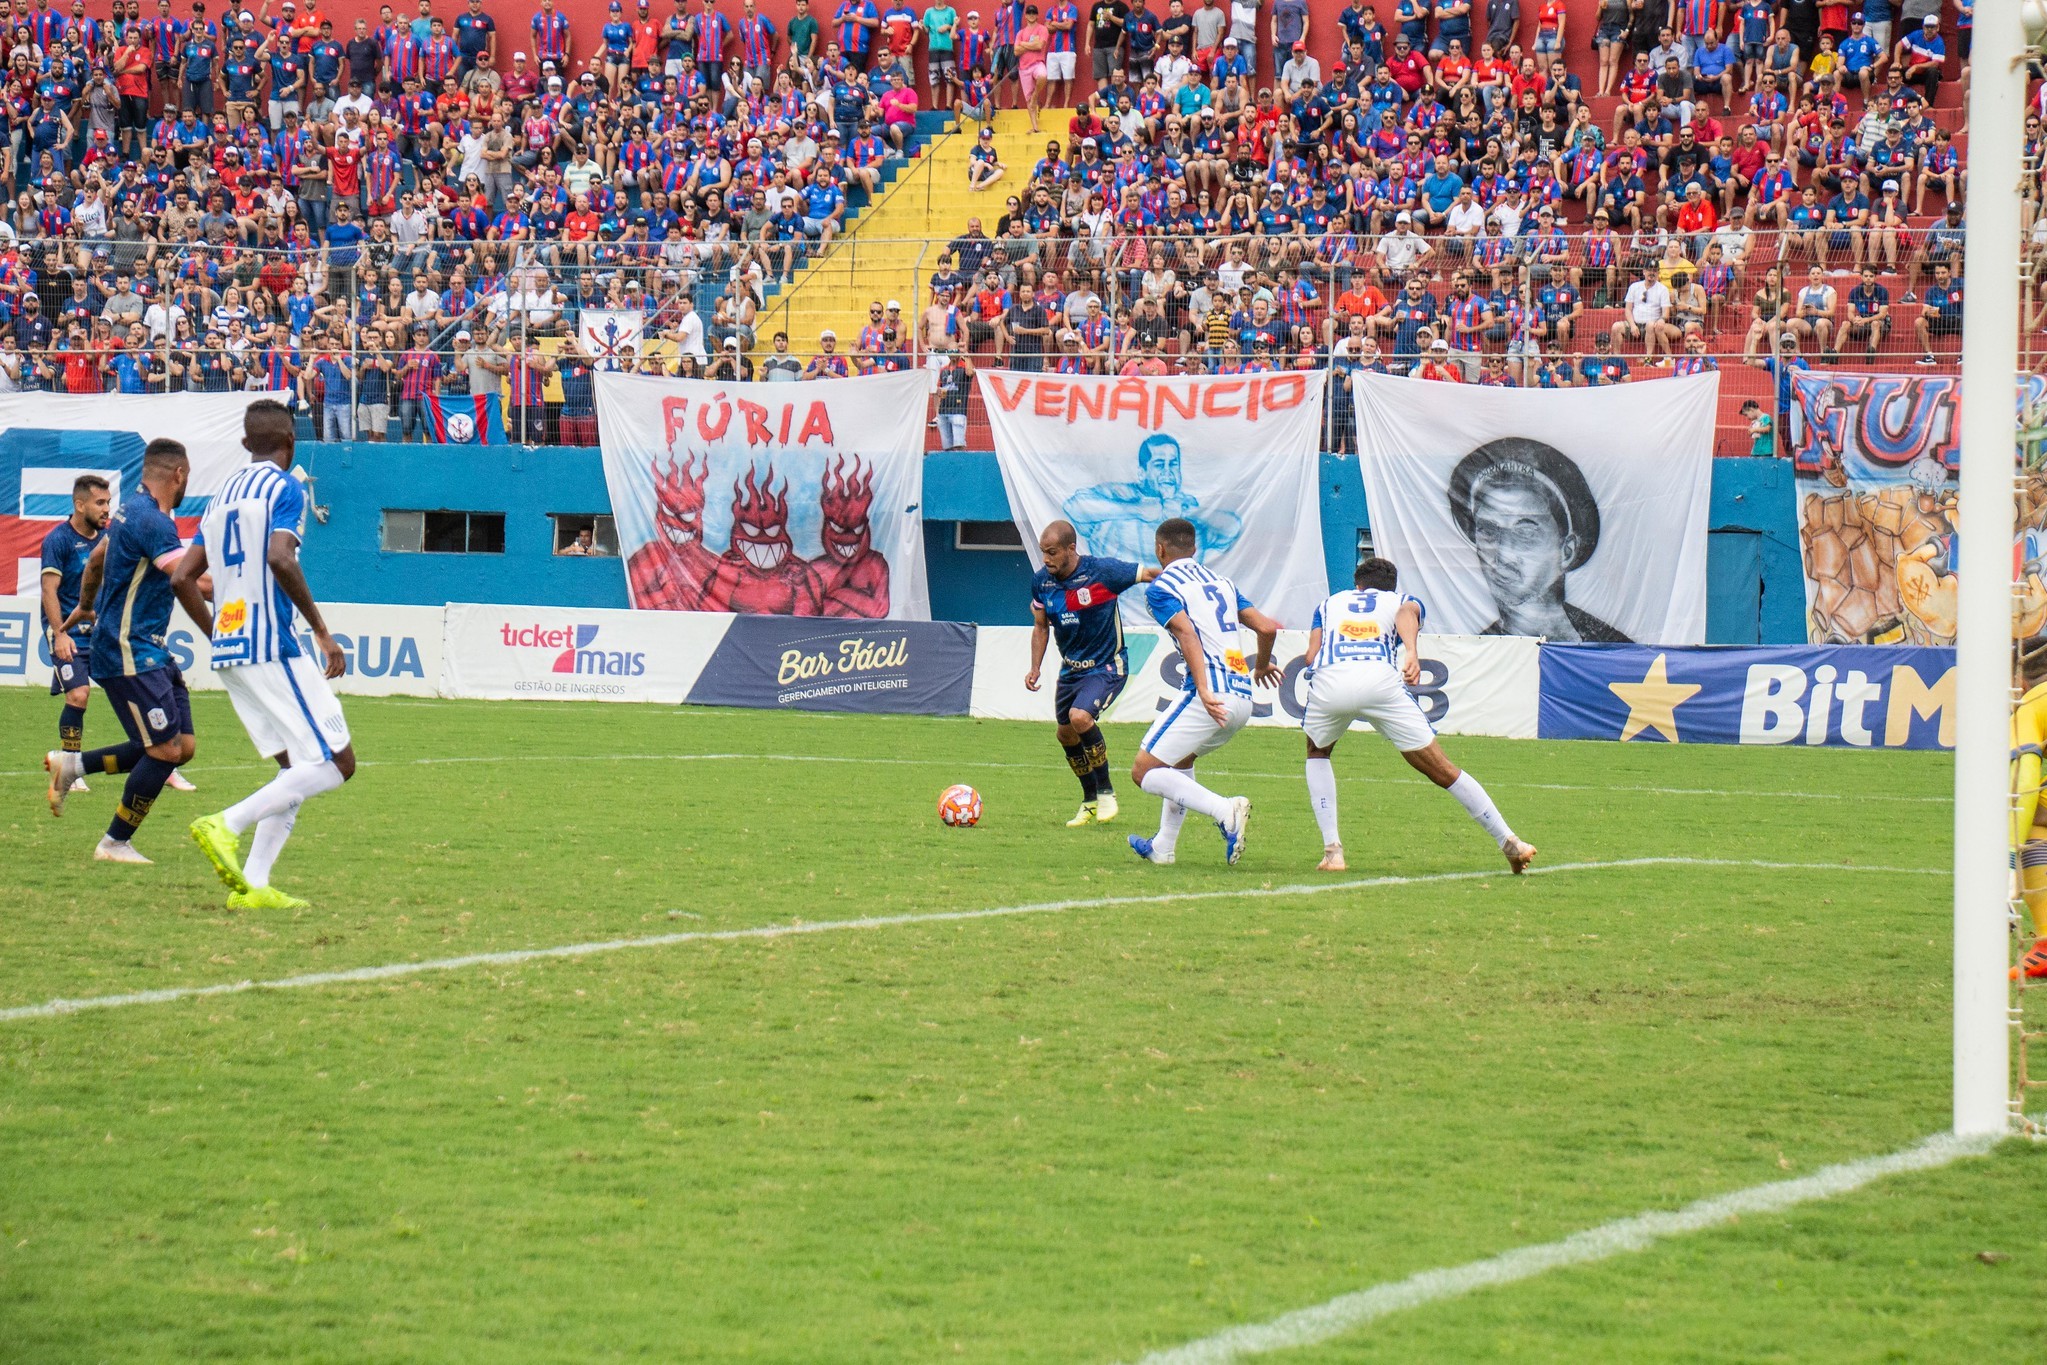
1263, 668
284, 563
186, 586
88, 586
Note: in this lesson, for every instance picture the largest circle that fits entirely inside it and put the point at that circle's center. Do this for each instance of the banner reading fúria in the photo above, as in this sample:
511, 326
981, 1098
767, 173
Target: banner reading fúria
770, 499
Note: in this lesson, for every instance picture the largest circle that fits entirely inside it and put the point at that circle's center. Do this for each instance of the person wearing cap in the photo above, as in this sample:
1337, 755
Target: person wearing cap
1301, 75
1861, 56
985, 165
827, 363
1920, 56
1400, 251
1438, 364
731, 364
1645, 317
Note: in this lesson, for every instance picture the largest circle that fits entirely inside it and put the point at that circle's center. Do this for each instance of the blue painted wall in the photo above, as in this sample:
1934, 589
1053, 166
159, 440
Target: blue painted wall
1757, 590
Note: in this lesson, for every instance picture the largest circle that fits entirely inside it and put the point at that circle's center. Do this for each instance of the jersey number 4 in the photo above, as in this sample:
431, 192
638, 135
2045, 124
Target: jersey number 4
231, 541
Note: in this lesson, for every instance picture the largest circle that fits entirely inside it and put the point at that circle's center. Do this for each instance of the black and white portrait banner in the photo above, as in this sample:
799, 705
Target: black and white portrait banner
1570, 514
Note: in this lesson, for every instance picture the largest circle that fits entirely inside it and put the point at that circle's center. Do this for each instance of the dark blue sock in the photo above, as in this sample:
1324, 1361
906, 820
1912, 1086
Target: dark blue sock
71, 728
145, 783
115, 758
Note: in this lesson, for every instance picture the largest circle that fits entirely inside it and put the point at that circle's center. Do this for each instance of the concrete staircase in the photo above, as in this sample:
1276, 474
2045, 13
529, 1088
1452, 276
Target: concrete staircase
893, 248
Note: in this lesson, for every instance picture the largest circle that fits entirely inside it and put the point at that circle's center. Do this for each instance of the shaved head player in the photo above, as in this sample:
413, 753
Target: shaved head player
1073, 601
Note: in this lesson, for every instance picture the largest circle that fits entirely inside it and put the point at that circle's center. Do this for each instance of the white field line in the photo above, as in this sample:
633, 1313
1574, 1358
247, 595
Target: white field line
52, 1008
1347, 1313
1027, 767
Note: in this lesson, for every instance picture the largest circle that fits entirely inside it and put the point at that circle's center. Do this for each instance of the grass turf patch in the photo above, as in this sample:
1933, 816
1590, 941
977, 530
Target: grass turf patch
1069, 1136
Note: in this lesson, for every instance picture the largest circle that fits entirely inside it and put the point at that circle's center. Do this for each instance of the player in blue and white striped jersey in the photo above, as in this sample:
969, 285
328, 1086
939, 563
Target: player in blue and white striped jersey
1363, 658
1205, 615
250, 535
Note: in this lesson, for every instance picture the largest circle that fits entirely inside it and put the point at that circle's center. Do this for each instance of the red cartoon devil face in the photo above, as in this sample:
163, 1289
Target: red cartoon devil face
844, 502
679, 500
760, 521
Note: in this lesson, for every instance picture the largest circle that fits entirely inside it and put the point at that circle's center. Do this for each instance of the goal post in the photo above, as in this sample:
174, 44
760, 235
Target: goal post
1986, 521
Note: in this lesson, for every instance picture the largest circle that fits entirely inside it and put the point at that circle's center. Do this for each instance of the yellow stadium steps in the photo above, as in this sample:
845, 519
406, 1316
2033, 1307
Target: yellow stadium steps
894, 246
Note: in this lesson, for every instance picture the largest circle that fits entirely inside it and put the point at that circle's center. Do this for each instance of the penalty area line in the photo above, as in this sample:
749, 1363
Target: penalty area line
1349, 1312
512, 957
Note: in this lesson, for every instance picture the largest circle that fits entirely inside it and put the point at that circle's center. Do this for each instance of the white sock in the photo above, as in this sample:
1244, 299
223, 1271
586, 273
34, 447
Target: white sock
271, 832
1171, 784
1322, 797
1171, 816
288, 788
1473, 798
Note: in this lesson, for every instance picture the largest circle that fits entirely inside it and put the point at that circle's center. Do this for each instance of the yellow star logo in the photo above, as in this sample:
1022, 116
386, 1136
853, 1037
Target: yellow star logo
1653, 702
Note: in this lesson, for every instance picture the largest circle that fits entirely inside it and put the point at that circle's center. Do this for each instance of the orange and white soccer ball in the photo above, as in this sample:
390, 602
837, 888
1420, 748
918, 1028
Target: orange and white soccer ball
959, 805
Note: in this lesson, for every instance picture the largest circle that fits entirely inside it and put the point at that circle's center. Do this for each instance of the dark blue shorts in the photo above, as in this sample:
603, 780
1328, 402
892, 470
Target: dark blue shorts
153, 707
1090, 692
65, 676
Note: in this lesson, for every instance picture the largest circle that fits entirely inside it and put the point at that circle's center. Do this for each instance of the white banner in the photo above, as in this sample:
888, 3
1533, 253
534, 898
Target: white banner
769, 499
113, 428
391, 651
1570, 514
1236, 455
1471, 685
575, 653
611, 336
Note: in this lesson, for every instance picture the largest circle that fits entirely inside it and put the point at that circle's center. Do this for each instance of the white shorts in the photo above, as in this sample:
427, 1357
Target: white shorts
1059, 66
1187, 731
288, 709
1343, 693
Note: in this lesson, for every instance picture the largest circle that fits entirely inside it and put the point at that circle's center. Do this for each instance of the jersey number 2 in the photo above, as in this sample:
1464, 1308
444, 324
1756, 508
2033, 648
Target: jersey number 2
1223, 624
231, 541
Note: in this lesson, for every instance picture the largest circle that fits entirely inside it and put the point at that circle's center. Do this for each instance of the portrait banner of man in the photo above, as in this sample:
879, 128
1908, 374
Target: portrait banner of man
1235, 455
1573, 515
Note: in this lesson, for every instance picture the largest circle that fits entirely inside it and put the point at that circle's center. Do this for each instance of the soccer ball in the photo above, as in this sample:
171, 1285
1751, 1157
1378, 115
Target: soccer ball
959, 805
461, 428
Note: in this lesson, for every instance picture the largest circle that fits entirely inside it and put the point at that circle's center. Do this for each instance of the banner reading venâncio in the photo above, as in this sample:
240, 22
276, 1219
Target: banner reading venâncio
1236, 455
1567, 514
769, 499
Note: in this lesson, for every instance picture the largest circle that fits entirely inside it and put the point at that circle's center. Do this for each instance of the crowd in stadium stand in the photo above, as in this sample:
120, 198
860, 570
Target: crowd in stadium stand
419, 205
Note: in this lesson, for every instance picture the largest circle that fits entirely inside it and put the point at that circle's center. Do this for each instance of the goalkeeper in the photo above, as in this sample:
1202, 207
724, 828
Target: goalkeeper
2029, 820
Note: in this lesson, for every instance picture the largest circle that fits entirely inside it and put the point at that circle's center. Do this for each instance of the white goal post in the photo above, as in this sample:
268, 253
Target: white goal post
1986, 519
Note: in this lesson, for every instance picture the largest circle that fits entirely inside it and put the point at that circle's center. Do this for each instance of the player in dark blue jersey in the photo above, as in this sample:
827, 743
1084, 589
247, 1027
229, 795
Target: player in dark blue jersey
128, 581
1073, 601
65, 550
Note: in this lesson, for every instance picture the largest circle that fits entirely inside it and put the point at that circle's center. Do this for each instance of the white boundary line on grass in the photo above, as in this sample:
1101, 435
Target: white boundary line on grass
52, 1008
1348, 1312
1026, 767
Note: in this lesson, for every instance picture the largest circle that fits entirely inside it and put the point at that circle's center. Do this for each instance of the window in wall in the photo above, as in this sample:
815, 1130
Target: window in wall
1364, 543
444, 533
987, 535
584, 533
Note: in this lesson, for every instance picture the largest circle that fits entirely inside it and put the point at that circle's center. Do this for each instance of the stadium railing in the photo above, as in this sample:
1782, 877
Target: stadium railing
672, 309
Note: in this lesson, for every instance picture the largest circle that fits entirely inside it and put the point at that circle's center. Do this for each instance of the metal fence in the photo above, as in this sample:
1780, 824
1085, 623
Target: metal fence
531, 319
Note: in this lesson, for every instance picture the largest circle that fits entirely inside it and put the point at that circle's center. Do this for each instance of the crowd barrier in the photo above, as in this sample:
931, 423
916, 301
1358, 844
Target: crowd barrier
1862, 696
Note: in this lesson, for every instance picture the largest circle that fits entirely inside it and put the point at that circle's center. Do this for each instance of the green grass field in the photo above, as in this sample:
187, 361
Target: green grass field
1072, 1135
